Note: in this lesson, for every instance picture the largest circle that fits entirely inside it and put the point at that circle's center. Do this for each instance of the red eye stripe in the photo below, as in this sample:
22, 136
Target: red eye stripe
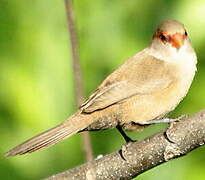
164, 37
176, 40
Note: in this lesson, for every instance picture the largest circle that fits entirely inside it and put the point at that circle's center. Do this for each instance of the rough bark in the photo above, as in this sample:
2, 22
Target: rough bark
137, 157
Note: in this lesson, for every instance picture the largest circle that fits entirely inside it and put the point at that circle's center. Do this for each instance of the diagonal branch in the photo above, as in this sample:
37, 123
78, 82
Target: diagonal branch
137, 157
77, 73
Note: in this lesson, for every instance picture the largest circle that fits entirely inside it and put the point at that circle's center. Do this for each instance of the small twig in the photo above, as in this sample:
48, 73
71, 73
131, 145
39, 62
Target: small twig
77, 73
137, 157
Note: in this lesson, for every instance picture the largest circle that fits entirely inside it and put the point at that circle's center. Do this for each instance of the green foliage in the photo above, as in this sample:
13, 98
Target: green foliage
37, 82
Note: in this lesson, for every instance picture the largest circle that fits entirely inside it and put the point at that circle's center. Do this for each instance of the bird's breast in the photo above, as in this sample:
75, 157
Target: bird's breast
143, 108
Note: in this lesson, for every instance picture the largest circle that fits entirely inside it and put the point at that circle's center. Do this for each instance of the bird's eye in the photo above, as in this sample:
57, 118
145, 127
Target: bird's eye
163, 37
185, 33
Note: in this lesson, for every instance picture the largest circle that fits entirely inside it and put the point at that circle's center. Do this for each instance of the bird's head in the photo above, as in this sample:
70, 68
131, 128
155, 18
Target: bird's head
170, 33
170, 42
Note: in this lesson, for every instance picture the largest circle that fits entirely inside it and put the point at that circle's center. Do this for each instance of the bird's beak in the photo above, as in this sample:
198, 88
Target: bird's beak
177, 40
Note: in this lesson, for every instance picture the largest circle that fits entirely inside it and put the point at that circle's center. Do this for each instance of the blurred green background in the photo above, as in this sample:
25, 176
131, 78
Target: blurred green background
37, 82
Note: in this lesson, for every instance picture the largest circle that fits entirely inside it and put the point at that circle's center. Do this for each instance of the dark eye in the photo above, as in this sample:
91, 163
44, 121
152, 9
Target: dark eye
163, 38
185, 33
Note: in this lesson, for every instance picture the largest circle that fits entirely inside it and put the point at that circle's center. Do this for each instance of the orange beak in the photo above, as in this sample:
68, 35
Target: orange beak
177, 40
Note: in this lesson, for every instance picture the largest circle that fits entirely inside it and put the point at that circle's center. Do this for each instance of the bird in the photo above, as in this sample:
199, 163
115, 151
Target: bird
141, 92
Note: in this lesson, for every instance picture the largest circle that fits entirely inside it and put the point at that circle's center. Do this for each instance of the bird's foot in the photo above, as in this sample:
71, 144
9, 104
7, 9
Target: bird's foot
164, 120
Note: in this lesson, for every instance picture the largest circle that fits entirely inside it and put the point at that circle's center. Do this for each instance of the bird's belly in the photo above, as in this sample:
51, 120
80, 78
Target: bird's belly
143, 108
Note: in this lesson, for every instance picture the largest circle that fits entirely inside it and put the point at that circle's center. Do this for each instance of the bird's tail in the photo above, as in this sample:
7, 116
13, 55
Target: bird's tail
52, 136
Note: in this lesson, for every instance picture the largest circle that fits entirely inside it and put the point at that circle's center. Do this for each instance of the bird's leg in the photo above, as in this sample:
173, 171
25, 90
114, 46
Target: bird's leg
126, 138
164, 120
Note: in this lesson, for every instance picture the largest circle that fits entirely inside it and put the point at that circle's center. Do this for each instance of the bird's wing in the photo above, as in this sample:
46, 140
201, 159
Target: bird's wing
138, 76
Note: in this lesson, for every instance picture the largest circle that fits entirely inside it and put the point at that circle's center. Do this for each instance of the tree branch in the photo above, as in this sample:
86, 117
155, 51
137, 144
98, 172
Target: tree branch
77, 74
137, 157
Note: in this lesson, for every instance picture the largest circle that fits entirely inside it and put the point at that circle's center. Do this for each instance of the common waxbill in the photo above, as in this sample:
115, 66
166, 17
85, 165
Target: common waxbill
140, 92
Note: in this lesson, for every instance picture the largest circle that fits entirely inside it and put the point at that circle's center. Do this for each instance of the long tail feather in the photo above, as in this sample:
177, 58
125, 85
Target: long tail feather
52, 136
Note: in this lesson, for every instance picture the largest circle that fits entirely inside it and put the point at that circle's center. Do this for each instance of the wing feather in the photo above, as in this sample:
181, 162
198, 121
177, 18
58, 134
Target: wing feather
132, 78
